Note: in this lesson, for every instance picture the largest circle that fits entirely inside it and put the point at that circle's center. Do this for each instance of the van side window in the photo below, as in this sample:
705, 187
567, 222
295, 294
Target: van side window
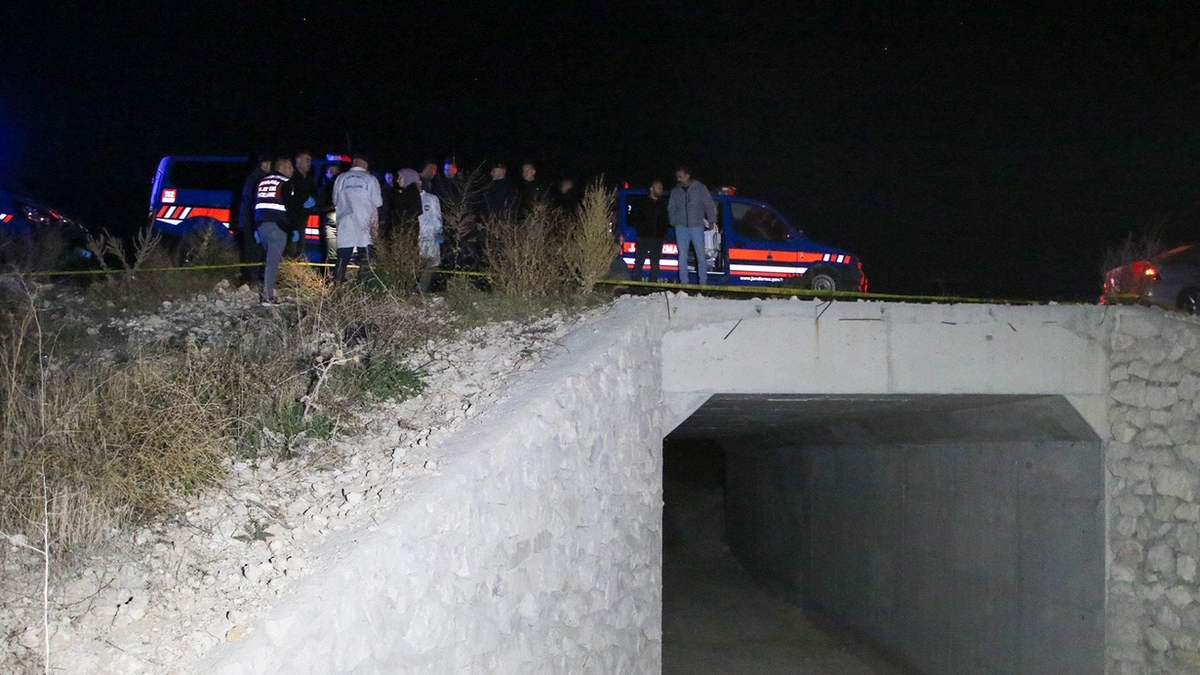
755, 222
209, 175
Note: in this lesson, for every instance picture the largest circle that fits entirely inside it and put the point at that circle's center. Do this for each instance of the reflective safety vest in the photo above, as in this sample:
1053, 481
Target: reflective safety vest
270, 203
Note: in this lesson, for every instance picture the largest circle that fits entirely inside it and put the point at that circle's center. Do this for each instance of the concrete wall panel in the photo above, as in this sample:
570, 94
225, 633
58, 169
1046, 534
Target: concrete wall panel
536, 548
946, 554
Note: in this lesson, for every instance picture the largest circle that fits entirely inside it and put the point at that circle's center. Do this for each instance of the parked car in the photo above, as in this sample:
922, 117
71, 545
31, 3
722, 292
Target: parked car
35, 236
1171, 279
752, 245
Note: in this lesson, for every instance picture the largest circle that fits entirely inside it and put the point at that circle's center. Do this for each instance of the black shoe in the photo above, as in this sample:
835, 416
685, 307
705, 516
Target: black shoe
268, 302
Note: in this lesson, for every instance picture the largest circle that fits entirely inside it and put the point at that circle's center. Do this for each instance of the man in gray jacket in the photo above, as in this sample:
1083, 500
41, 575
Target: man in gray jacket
692, 211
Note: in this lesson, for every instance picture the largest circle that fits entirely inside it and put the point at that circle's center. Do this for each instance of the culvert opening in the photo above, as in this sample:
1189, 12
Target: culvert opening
950, 533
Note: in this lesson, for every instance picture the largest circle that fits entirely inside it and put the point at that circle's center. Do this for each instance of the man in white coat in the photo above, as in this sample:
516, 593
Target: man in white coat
356, 198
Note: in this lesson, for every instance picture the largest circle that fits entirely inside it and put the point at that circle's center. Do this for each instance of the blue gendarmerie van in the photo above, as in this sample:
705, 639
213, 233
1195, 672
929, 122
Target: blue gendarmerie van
752, 245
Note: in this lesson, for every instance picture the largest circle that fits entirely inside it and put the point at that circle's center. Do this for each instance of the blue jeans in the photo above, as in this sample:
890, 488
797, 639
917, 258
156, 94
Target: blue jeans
274, 240
695, 237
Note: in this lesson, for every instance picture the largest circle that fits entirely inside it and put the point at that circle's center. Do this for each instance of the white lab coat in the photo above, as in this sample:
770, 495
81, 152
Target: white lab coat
430, 228
357, 199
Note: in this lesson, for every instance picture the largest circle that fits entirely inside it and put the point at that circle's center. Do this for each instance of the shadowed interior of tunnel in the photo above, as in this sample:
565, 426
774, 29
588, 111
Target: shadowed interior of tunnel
883, 534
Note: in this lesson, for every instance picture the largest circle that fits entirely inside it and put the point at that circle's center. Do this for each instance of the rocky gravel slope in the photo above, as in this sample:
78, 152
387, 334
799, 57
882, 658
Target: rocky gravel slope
165, 594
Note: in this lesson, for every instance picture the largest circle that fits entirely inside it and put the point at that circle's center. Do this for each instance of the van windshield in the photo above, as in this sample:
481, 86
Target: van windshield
224, 176
755, 222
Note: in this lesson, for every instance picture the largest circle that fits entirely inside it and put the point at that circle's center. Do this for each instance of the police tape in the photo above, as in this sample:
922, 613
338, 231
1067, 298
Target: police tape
181, 268
656, 286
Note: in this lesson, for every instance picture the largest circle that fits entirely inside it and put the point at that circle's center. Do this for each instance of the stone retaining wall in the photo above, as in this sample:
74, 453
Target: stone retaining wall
1153, 613
537, 547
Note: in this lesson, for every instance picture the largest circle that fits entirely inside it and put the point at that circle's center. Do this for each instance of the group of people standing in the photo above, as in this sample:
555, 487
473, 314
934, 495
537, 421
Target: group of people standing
357, 209
282, 192
690, 209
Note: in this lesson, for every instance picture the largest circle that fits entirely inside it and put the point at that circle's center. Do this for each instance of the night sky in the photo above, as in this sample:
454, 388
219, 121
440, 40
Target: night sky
993, 151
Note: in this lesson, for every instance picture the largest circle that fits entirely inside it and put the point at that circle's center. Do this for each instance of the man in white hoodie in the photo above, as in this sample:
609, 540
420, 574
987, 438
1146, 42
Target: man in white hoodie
357, 198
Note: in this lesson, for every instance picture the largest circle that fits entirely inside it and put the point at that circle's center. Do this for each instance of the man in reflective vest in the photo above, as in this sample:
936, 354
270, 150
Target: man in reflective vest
271, 222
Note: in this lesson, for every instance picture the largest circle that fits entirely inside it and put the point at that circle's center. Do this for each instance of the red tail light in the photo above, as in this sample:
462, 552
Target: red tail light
1151, 273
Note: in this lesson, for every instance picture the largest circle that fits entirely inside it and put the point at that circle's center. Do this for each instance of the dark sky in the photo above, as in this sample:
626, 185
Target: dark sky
994, 150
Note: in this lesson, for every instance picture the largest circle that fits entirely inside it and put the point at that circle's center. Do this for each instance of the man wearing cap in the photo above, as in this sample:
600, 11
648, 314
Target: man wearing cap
357, 199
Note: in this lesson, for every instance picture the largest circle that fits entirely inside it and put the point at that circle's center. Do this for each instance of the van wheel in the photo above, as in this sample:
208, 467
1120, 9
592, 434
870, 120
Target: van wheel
206, 241
820, 279
1189, 300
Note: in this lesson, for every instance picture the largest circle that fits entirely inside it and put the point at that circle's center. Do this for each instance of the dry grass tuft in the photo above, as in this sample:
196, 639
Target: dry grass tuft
589, 246
523, 255
300, 280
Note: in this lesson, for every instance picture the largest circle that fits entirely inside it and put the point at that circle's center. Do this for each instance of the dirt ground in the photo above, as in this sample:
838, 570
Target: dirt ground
718, 620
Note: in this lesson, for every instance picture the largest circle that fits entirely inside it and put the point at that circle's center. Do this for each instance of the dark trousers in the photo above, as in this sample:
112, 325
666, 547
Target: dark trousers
343, 260
646, 247
249, 251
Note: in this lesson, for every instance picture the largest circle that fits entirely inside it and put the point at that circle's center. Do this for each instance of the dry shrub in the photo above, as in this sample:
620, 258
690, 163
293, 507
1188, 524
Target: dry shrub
589, 246
113, 444
132, 283
523, 255
397, 261
460, 220
1141, 246
119, 443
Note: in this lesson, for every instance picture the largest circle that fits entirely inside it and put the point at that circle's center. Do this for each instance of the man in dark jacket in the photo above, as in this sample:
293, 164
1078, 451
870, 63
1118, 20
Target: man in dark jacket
248, 250
565, 196
651, 221
530, 189
325, 210
446, 186
303, 199
499, 197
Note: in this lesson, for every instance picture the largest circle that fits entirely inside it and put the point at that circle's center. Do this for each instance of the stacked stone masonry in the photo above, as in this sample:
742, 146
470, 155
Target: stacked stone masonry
1153, 458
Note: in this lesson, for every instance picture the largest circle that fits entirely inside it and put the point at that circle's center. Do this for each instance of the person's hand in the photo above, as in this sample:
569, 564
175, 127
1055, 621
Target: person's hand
257, 237
295, 236
309, 203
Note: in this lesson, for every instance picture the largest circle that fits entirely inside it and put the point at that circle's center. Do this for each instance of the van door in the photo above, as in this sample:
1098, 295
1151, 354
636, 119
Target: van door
757, 245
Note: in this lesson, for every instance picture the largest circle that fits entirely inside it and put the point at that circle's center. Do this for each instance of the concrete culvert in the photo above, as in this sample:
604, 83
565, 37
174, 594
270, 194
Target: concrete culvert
952, 533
